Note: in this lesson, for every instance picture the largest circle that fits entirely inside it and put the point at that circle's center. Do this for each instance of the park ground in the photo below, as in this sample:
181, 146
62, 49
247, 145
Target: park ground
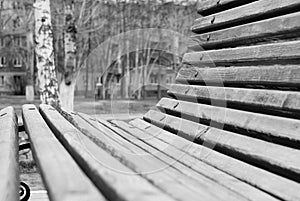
106, 109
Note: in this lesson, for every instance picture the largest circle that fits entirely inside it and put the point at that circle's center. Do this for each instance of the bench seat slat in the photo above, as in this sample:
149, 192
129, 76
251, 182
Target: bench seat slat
275, 129
116, 181
275, 185
186, 175
157, 164
206, 7
269, 53
275, 158
55, 162
258, 10
272, 76
283, 103
9, 166
279, 28
247, 191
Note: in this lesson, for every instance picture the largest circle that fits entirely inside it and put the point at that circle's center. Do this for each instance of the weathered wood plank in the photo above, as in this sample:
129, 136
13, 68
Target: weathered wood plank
116, 181
156, 166
55, 162
260, 53
255, 11
188, 177
275, 129
284, 103
241, 188
206, 7
9, 166
275, 158
279, 28
273, 184
271, 76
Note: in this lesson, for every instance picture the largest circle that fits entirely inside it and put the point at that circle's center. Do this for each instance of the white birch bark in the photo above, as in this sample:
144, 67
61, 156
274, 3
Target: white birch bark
127, 77
67, 85
48, 85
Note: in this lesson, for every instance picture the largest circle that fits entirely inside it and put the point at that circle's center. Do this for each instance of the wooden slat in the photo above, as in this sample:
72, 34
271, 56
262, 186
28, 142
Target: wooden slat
156, 166
245, 190
279, 130
9, 166
275, 158
282, 103
277, 186
270, 53
55, 162
116, 181
188, 177
279, 28
206, 7
255, 11
269, 76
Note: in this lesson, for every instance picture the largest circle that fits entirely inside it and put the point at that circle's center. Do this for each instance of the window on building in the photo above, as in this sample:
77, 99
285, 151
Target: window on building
2, 80
17, 62
17, 41
16, 5
17, 80
153, 79
2, 42
23, 40
16, 22
169, 80
2, 61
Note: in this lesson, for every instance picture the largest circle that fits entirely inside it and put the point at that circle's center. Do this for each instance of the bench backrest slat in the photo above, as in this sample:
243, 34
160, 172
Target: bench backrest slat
206, 7
274, 29
258, 10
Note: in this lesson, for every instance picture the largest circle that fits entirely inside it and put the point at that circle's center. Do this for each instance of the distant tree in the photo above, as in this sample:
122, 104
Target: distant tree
75, 23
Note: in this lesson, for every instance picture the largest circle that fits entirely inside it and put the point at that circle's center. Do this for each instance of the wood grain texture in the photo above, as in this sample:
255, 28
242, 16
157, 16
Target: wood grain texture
62, 176
137, 159
284, 103
221, 178
116, 181
275, 185
9, 166
187, 176
260, 53
275, 129
279, 28
275, 158
206, 7
272, 76
159, 169
255, 11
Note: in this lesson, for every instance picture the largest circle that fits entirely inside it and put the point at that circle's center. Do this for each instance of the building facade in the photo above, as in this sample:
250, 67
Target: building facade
16, 49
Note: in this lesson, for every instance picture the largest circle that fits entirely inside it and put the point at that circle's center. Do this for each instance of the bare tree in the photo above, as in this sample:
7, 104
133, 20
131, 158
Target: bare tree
75, 25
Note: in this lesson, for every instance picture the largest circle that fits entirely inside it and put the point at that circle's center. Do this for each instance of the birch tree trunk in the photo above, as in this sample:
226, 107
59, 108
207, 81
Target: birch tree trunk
48, 85
128, 75
30, 68
137, 76
68, 82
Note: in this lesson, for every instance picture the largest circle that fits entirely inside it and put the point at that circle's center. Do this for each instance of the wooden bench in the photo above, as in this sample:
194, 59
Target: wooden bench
233, 116
229, 131
237, 98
